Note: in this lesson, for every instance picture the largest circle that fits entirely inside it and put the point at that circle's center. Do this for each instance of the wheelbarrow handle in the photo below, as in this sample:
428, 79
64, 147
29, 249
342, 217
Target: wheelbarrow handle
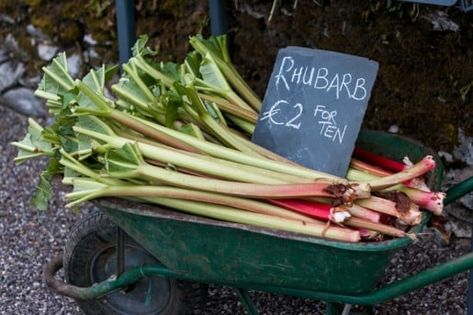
388, 292
459, 190
381, 295
86, 293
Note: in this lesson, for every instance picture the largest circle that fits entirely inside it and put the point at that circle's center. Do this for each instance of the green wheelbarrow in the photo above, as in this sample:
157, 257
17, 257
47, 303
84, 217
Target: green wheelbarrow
171, 256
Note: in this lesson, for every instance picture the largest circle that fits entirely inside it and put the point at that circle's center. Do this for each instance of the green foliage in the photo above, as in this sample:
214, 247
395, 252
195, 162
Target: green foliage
44, 189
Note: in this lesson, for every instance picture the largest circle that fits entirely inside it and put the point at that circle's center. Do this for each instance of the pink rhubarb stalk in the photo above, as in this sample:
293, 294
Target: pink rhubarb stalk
363, 213
432, 201
418, 182
422, 167
373, 226
338, 215
410, 215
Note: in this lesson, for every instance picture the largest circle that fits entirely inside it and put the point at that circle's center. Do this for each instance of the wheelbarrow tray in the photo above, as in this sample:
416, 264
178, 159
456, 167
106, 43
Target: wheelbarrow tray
212, 251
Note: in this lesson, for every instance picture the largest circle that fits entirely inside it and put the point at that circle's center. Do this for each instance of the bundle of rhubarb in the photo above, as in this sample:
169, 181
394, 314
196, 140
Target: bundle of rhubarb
177, 135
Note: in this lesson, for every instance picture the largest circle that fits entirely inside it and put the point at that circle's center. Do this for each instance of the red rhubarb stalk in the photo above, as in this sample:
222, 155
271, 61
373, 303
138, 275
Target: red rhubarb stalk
325, 211
378, 160
309, 208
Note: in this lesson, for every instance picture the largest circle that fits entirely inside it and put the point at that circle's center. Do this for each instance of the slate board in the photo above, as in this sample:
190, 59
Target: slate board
314, 105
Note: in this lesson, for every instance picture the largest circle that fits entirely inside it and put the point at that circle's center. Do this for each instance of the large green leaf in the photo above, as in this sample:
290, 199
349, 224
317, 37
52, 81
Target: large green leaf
33, 144
90, 101
123, 162
212, 75
192, 63
140, 48
56, 79
129, 91
44, 189
94, 124
172, 102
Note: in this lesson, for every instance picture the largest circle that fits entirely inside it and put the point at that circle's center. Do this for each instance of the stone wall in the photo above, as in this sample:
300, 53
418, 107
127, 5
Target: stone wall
423, 88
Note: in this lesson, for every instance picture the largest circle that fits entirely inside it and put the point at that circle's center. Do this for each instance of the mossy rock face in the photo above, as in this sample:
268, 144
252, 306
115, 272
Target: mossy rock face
422, 72
424, 81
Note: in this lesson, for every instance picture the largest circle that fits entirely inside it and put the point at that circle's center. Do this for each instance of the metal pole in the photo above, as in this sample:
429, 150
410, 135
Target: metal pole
125, 28
218, 21
470, 288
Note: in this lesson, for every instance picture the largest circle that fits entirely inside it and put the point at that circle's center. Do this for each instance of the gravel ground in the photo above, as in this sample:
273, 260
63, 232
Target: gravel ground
28, 238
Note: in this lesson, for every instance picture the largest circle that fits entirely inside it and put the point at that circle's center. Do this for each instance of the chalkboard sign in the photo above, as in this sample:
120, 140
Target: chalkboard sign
314, 105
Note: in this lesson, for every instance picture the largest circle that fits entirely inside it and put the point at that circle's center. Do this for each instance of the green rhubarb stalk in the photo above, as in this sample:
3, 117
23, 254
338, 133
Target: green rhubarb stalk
373, 226
287, 178
265, 152
130, 122
218, 130
347, 193
261, 191
141, 63
103, 109
127, 162
260, 220
180, 159
94, 190
230, 108
230, 73
236, 156
244, 125
131, 70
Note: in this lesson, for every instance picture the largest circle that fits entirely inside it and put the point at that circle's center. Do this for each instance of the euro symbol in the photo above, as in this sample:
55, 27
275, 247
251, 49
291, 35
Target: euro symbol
274, 110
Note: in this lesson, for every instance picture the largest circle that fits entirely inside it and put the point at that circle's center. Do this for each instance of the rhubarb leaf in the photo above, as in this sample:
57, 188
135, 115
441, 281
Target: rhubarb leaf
123, 162
171, 70
44, 191
212, 75
172, 102
128, 90
192, 63
91, 102
95, 124
33, 144
140, 48
56, 79
192, 130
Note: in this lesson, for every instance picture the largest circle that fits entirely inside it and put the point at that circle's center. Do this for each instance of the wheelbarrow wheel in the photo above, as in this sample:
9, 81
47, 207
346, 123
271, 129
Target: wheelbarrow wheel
89, 257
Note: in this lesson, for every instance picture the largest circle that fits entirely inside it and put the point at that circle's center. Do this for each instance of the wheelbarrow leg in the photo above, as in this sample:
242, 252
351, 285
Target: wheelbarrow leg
334, 309
470, 288
345, 309
245, 300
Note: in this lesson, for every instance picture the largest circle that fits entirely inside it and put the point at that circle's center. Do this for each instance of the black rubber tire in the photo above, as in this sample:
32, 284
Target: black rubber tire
90, 242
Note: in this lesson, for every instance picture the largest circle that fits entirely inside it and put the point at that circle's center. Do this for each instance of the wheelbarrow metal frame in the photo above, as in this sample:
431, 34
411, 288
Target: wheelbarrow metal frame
123, 213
